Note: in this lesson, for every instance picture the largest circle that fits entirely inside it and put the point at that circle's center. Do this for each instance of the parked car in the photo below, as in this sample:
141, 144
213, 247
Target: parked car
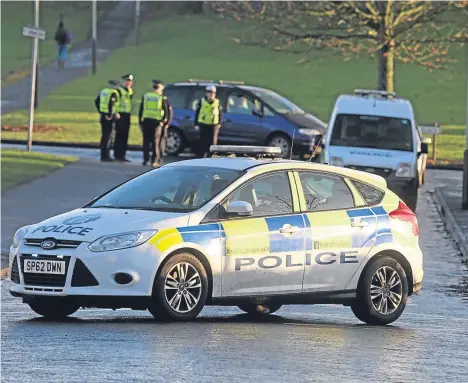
252, 116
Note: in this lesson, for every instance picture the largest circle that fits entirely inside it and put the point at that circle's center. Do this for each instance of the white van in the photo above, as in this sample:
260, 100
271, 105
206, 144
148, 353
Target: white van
376, 132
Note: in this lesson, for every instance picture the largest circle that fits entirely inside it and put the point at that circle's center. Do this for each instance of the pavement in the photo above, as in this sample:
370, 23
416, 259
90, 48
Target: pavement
298, 344
113, 29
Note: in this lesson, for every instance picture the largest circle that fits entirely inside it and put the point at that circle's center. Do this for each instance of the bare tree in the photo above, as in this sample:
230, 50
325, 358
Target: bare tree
409, 31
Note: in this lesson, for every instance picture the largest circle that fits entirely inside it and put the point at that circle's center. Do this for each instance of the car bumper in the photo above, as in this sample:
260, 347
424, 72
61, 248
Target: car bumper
403, 187
141, 263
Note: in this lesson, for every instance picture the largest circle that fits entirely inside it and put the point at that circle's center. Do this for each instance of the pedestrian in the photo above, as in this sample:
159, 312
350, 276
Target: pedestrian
165, 129
154, 111
122, 128
63, 39
106, 104
208, 117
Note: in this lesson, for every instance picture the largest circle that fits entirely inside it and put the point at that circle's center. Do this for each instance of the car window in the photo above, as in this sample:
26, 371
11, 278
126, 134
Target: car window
269, 195
177, 96
267, 111
325, 192
238, 103
197, 95
171, 188
370, 194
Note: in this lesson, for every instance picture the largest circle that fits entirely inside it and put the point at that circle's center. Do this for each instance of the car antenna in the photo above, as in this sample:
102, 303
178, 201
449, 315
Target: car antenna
316, 146
292, 145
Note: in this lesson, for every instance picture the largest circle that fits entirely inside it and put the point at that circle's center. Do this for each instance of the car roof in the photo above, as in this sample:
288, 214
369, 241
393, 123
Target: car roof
391, 107
260, 166
248, 88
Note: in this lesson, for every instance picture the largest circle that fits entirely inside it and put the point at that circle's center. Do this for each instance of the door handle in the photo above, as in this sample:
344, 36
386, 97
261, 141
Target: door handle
288, 229
357, 222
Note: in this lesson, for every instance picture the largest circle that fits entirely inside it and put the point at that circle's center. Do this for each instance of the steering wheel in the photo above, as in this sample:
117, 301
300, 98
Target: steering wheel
161, 198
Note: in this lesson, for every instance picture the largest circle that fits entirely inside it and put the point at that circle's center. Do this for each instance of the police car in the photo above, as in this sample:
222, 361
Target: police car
239, 229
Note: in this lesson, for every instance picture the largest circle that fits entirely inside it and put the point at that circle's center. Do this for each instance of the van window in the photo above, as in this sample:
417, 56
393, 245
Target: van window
372, 132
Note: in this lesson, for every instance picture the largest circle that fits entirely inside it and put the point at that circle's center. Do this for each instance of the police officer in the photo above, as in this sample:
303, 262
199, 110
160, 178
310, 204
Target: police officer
106, 104
153, 117
123, 126
208, 117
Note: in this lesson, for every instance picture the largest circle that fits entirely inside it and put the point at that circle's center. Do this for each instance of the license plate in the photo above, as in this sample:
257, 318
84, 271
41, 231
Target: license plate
44, 267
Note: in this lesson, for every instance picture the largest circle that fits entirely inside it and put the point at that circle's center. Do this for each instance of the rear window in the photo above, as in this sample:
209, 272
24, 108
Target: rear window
376, 132
177, 96
371, 195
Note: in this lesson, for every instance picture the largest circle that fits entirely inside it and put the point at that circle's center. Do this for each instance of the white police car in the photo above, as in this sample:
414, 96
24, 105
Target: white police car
250, 232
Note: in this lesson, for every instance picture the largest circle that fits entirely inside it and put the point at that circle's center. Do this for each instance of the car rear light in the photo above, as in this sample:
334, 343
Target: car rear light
404, 213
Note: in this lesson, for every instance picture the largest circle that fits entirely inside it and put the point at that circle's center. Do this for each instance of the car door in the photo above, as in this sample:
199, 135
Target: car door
339, 235
264, 253
241, 125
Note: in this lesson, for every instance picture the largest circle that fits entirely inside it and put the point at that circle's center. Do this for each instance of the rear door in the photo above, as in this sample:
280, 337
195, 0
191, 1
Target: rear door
178, 97
339, 234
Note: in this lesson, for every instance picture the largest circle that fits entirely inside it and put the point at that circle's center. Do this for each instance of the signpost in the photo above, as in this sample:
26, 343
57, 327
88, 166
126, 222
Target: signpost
94, 29
435, 131
36, 33
137, 22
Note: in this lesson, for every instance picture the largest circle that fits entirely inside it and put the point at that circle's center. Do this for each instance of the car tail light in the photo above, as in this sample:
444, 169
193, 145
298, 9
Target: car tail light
404, 213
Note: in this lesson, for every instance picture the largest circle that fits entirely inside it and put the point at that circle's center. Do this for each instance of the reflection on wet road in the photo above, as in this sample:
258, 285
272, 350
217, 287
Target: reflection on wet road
301, 343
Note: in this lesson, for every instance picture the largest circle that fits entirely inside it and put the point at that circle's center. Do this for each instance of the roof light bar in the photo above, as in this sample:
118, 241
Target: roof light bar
374, 92
243, 149
195, 80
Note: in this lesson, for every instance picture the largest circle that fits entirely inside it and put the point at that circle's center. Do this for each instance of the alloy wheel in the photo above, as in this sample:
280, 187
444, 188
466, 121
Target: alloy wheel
281, 142
182, 287
173, 142
386, 290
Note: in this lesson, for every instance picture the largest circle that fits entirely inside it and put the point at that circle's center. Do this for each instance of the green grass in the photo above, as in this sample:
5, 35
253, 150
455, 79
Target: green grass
182, 47
16, 49
19, 167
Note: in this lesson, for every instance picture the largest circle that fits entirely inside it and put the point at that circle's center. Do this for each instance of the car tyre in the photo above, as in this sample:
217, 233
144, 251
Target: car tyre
180, 290
174, 141
382, 292
53, 309
259, 310
282, 141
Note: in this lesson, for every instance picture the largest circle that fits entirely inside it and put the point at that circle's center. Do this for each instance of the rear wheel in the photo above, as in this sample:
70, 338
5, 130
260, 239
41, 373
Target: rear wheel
382, 292
253, 309
54, 309
281, 141
180, 290
174, 141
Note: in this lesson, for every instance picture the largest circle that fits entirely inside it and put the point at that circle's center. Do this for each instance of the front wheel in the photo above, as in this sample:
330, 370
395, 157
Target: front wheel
180, 290
174, 141
53, 309
254, 309
281, 141
382, 292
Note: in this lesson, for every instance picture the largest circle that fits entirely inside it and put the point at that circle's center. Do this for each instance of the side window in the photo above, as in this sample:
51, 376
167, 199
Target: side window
269, 195
325, 192
197, 95
267, 111
370, 194
177, 96
241, 104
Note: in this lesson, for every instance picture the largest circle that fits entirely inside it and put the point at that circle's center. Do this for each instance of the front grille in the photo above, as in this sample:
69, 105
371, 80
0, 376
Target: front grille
61, 243
383, 172
14, 272
82, 276
36, 279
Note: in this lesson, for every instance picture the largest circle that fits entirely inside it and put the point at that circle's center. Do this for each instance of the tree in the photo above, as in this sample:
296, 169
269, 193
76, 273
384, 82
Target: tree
409, 31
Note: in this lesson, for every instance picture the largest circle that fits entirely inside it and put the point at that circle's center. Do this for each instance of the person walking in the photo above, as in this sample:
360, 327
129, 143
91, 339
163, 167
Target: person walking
165, 128
122, 128
153, 114
208, 117
106, 104
63, 39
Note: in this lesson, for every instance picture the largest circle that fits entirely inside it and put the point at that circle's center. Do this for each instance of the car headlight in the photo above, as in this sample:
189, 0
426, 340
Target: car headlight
403, 170
309, 132
337, 161
19, 235
121, 241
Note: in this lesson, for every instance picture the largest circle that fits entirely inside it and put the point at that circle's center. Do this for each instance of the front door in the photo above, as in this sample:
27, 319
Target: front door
265, 252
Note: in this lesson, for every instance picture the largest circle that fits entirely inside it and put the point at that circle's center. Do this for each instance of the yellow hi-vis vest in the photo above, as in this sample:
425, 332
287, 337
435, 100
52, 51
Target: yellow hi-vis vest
125, 104
104, 98
209, 113
153, 106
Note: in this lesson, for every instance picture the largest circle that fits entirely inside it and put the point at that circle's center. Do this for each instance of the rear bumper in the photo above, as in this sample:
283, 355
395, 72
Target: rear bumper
403, 187
417, 287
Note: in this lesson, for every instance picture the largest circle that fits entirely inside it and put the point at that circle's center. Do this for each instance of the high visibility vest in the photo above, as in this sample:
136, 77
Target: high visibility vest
153, 106
104, 98
125, 104
209, 113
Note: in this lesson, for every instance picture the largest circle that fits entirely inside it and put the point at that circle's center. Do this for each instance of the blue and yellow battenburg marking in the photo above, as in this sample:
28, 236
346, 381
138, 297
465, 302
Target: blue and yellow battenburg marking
379, 226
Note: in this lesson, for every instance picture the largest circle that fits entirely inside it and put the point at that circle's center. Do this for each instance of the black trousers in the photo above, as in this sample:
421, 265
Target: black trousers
151, 140
122, 130
207, 138
106, 136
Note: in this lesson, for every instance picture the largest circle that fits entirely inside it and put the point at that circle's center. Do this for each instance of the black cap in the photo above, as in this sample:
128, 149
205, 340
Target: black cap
113, 83
157, 82
127, 77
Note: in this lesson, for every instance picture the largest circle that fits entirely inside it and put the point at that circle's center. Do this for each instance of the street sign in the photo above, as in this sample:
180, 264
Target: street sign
429, 129
34, 32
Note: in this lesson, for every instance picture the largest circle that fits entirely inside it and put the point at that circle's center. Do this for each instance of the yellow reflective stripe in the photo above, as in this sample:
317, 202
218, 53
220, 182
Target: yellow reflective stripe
247, 237
300, 191
165, 239
295, 198
327, 227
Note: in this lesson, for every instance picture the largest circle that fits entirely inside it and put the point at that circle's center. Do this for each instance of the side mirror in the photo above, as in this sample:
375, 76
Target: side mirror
258, 113
240, 208
427, 140
424, 148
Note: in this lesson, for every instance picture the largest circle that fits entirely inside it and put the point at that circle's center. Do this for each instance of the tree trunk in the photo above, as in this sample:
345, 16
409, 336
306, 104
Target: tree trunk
381, 60
390, 70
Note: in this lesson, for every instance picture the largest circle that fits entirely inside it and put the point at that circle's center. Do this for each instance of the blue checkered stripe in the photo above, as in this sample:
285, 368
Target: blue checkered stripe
200, 234
379, 227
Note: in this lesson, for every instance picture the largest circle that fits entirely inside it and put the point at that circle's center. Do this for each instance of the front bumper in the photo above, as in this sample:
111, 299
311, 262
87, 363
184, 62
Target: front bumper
403, 187
141, 262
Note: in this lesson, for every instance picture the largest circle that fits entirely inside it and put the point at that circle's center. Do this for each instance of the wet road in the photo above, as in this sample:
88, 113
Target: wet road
429, 343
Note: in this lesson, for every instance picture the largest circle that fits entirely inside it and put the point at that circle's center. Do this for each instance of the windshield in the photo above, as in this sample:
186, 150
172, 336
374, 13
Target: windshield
172, 188
372, 132
277, 102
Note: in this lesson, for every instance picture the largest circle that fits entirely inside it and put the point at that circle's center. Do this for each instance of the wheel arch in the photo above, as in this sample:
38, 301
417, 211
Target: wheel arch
176, 127
278, 133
